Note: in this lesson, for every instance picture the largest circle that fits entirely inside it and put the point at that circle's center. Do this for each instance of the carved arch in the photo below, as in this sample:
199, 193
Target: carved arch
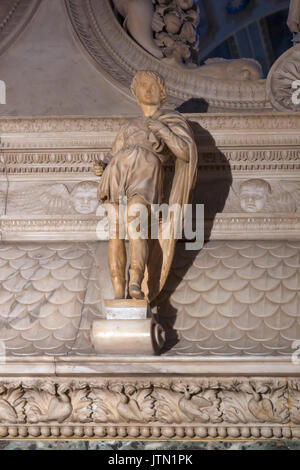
119, 57
14, 16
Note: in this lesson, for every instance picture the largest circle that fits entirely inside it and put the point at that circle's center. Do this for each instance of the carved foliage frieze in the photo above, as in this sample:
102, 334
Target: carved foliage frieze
174, 407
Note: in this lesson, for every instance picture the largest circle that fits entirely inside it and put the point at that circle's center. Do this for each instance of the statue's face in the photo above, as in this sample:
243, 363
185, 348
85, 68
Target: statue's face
85, 202
148, 91
253, 199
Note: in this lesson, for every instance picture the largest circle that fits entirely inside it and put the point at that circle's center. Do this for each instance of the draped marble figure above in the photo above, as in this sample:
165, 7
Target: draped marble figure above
168, 31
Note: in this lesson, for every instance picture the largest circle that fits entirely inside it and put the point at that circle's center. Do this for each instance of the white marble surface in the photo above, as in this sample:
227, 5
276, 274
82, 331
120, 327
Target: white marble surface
141, 365
56, 77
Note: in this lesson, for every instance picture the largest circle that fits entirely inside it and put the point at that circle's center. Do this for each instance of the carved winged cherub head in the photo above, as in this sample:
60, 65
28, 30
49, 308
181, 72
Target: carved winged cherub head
254, 194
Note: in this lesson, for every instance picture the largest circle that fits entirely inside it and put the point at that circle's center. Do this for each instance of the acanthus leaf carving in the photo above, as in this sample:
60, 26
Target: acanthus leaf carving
244, 402
49, 402
294, 393
12, 403
191, 403
173, 407
122, 403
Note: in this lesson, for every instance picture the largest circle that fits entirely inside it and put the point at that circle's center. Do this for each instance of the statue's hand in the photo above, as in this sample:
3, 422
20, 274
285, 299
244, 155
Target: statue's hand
155, 126
99, 168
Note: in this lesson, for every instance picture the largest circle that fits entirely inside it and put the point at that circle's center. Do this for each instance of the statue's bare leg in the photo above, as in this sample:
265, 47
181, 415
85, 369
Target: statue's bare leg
138, 248
116, 252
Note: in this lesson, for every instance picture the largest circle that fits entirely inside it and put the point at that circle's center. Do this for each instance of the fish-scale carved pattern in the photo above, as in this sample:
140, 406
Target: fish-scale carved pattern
231, 298
47, 294
234, 297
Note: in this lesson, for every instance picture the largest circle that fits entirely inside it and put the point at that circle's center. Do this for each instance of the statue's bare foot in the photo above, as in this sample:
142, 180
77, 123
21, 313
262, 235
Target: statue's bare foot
135, 292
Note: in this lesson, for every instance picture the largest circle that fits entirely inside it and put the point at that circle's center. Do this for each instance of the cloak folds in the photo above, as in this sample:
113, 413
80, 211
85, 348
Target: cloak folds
161, 251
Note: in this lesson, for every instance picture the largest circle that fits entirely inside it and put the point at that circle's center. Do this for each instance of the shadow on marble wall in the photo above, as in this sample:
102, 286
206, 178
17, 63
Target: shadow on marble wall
194, 105
219, 180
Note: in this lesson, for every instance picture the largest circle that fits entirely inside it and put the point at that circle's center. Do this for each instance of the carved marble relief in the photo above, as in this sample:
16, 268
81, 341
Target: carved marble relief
218, 83
48, 293
3, 197
168, 31
55, 199
232, 298
235, 297
283, 81
164, 29
259, 195
155, 408
249, 196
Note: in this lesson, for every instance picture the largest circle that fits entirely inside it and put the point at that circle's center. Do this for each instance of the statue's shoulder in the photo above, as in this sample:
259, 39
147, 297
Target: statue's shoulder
135, 121
171, 116
172, 113
125, 126
169, 111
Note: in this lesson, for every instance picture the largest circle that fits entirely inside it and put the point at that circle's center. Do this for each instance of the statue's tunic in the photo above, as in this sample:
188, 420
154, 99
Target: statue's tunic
136, 166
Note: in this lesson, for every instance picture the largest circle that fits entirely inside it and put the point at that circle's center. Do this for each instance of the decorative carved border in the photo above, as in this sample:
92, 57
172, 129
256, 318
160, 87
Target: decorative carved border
212, 122
150, 408
226, 226
107, 44
267, 142
64, 149
60, 162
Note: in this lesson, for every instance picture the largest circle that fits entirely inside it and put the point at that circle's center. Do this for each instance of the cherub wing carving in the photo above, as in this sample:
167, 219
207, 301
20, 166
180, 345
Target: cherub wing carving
41, 200
232, 203
56, 199
285, 197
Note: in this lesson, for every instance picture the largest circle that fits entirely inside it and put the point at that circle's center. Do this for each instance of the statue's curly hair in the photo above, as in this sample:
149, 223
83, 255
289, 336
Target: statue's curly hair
259, 183
159, 79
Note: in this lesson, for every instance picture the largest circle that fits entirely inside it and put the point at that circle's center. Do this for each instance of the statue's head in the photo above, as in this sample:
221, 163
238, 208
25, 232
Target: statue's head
254, 195
149, 88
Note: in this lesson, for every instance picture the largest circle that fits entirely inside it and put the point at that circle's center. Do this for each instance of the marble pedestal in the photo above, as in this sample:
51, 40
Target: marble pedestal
129, 328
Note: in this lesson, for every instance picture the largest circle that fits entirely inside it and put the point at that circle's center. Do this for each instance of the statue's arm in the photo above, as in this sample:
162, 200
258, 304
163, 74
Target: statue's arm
118, 143
99, 166
177, 144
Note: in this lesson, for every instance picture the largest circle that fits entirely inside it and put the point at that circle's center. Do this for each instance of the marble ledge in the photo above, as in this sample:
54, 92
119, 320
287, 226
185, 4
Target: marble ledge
225, 226
243, 119
76, 366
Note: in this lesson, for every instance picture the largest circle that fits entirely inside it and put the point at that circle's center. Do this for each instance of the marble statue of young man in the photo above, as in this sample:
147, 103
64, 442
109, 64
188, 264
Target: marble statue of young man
135, 170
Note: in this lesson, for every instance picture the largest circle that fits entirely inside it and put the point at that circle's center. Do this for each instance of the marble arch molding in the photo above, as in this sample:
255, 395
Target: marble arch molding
117, 56
14, 16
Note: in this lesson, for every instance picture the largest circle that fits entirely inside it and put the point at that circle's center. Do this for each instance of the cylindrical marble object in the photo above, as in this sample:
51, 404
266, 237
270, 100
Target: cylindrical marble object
128, 337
